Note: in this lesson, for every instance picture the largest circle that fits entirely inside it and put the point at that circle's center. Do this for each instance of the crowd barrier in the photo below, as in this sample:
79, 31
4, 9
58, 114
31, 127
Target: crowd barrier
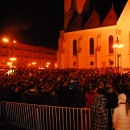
42, 117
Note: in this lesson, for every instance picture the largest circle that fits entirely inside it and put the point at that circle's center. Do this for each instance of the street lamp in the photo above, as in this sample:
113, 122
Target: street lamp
47, 64
117, 45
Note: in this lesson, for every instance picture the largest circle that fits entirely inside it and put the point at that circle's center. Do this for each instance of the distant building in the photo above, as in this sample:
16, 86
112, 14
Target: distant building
26, 56
91, 39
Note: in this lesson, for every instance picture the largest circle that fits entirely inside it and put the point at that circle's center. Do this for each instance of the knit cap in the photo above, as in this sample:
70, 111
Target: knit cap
122, 98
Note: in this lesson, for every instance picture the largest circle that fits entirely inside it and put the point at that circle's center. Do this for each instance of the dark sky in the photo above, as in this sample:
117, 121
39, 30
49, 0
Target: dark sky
38, 22
32, 21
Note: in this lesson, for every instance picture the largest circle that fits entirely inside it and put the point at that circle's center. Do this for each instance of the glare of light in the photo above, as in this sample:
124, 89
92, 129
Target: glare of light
14, 41
9, 63
33, 63
47, 66
55, 64
48, 63
117, 45
41, 68
12, 59
120, 45
5, 40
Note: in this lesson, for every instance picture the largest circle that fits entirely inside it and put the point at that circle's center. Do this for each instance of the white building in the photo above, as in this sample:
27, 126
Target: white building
89, 44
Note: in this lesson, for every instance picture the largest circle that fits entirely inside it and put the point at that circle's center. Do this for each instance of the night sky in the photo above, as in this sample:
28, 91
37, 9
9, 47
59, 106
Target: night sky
38, 22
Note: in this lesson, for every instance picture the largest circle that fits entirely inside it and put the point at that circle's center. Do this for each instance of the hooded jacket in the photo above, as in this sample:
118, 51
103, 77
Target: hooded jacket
121, 121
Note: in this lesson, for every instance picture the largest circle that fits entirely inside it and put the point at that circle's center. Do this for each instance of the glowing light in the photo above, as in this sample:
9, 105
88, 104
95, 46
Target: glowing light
48, 63
47, 66
41, 68
12, 59
118, 44
33, 63
14, 41
55, 64
9, 64
5, 40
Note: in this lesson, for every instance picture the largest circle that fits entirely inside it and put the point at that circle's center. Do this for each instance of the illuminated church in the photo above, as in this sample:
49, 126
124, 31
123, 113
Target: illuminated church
94, 36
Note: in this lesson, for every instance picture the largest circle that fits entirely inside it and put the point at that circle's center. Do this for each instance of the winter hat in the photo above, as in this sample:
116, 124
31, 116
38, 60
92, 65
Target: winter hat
122, 98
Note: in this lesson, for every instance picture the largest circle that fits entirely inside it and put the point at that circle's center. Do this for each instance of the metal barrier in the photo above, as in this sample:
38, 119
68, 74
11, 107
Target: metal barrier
42, 117
2, 109
63, 118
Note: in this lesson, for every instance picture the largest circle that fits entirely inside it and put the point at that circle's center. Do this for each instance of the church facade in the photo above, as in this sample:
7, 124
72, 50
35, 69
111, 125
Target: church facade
93, 40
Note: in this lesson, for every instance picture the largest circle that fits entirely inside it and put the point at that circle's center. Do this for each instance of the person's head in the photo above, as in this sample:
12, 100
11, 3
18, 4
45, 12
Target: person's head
122, 98
101, 85
101, 89
109, 89
65, 84
94, 87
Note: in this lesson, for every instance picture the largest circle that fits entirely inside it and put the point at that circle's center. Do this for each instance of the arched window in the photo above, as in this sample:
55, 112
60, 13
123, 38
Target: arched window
74, 47
111, 49
91, 45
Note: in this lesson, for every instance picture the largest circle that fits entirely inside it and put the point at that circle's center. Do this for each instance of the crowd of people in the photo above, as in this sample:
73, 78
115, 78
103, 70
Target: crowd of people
78, 88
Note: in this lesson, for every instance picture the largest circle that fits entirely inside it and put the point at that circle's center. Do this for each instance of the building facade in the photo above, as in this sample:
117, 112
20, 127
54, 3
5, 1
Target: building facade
93, 40
26, 56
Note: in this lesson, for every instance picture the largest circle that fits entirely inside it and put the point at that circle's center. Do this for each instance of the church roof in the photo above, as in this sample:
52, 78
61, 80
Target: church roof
94, 19
76, 23
110, 18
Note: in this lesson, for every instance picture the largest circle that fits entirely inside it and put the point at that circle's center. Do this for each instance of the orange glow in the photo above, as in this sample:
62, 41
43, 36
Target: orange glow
14, 41
118, 45
12, 59
9, 63
33, 63
48, 63
56, 65
5, 40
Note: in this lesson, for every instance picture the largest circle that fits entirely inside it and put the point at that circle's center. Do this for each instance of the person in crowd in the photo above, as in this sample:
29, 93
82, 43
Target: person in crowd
71, 92
32, 95
111, 96
98, 113
112, 101
79, 97
121, 114
52, 99
90, 95
62, 94
50, 77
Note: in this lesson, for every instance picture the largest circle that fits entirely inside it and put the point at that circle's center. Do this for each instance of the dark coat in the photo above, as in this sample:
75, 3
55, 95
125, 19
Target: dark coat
112, 100
52, 100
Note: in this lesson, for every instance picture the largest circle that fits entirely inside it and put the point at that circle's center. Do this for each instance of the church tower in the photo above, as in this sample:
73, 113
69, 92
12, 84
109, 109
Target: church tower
73, 8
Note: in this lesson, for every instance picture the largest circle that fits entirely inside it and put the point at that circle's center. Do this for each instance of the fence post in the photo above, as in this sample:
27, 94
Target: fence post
38, 119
